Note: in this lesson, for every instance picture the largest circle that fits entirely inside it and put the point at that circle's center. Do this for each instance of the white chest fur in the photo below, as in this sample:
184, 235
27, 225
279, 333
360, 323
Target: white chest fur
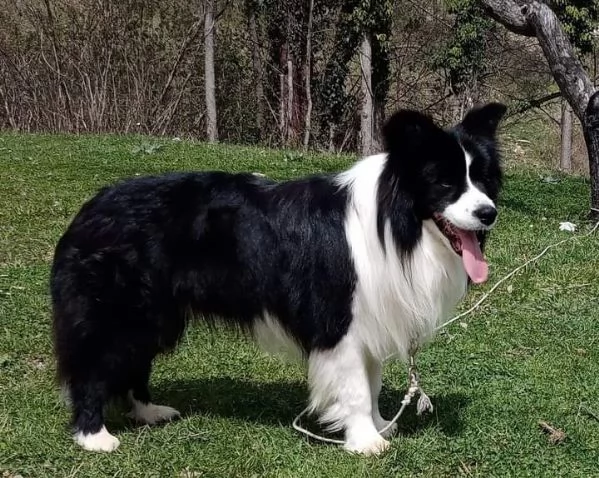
396, 301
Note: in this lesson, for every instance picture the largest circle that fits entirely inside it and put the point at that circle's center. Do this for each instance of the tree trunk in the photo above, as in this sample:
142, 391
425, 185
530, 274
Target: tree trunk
283, 125
567, 70
257, 65
537, 19
289, 120
367, 115
565, 162
591, 137
331, 148
308, 78
210, 83
282, 107
377, 126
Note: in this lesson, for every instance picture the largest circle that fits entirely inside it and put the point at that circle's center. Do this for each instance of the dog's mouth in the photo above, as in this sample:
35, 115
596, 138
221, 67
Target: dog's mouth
465, 244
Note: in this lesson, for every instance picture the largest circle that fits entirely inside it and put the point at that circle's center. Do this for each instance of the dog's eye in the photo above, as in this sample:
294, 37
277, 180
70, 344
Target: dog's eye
446, 186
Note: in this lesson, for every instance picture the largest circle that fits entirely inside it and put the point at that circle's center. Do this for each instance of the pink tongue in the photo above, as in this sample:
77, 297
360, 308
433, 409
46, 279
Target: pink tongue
474, 262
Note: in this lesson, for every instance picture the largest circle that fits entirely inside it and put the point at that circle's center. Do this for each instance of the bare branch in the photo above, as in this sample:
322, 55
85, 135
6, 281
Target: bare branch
535, 103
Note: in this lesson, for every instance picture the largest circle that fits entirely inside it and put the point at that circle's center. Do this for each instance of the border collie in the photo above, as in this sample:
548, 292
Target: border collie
344, 269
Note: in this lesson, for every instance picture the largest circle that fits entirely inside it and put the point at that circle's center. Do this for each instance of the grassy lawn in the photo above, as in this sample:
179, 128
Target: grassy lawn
530, 353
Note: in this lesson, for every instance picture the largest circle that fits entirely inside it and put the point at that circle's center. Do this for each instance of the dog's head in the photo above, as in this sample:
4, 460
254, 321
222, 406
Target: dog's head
452, 176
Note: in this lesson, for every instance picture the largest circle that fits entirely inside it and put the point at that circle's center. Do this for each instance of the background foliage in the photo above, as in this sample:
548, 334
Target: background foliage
137, 66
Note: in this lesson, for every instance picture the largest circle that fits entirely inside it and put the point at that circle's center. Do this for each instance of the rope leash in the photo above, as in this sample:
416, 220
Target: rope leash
424, 402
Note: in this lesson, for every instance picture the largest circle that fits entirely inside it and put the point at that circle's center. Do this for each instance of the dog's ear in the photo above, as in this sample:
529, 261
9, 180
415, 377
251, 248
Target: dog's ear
411, 139
483, 121
408, 131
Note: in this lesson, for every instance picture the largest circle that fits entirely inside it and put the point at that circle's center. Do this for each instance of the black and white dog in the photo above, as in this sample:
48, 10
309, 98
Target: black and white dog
344, 269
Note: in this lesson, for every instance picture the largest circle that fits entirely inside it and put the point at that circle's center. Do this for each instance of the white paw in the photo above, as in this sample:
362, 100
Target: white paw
374, 445
152, 414
101, 441
380, 424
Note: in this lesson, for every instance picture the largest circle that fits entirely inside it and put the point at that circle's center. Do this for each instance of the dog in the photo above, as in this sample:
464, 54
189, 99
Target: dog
343, 269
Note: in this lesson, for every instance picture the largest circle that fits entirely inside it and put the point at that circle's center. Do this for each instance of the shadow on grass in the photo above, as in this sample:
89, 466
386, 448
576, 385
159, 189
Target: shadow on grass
263, 402
447, 415
278, 403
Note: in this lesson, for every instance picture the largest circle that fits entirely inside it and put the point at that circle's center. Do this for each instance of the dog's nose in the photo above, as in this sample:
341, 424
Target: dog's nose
486, 214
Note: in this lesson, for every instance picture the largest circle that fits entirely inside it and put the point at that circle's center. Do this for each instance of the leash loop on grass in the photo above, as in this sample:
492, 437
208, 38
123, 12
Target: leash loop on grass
424, 402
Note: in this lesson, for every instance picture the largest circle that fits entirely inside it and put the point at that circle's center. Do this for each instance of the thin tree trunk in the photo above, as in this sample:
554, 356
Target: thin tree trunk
367, 115
308, 78
9, 116
283, 123
289, 120
210, 83
257, 64
282, 115
377, 128
290, 93
331, 138
63, 92
565, 161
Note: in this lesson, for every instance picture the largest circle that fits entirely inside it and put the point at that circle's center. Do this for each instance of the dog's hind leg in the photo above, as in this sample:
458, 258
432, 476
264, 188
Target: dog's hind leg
340, 390
88, 382
142, 408
88, 399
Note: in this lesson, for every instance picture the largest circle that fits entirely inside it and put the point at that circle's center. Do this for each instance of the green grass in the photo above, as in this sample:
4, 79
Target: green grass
530, 353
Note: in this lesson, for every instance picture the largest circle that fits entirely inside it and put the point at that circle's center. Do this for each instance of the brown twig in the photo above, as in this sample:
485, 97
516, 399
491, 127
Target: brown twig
583, 408
555, 435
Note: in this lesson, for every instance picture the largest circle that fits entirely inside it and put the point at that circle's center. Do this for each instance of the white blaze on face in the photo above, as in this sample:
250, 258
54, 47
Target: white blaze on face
461, 212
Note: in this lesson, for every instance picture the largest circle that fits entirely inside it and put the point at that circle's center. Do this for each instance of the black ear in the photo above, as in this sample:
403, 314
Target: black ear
483, 121
407, 130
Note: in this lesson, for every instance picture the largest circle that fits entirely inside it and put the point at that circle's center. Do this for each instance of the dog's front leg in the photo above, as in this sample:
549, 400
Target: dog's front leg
375, 377
340, 389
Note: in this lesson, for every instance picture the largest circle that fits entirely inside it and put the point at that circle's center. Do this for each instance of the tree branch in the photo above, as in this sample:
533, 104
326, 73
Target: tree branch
535, 103
509, 14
